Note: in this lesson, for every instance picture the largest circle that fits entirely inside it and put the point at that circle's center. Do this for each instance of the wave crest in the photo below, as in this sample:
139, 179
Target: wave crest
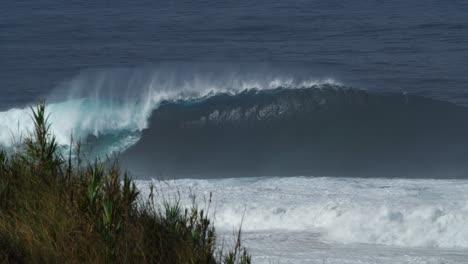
112, 101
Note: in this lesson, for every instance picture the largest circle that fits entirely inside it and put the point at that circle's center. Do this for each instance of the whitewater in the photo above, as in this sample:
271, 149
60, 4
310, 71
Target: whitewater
342, 219
338, 129
335, 220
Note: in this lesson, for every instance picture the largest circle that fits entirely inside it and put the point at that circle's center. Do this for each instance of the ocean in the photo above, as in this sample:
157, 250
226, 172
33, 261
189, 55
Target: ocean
336, 128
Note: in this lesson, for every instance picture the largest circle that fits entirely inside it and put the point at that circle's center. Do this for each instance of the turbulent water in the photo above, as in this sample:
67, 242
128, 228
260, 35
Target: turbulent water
337, 220
240, 127
338, 128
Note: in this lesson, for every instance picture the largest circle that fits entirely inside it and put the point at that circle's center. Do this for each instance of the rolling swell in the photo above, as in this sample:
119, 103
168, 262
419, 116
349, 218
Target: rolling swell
319, 131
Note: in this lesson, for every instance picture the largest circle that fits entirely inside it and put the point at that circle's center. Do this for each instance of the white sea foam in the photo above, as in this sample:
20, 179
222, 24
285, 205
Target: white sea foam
419, 217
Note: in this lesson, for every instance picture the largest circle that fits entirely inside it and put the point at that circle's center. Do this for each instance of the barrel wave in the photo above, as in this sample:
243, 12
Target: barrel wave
220, 123
322, 130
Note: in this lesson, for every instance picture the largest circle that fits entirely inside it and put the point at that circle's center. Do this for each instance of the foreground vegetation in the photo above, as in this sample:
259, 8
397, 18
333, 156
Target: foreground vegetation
56, 210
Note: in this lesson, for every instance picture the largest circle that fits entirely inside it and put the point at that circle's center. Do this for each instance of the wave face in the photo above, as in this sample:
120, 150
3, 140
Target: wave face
321, 130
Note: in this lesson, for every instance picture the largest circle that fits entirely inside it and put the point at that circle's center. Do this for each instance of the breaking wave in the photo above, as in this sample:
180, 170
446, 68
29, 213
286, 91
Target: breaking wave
120, 101
326, 130
223, 123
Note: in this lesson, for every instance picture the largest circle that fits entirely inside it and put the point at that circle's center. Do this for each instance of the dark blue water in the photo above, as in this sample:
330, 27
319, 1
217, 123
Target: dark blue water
418, 46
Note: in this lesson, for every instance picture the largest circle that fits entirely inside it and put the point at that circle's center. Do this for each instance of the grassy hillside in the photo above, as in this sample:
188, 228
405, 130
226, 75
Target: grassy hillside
56, 209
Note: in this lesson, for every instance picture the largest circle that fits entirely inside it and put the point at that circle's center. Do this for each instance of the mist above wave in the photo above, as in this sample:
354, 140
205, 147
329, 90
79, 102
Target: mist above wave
116, 101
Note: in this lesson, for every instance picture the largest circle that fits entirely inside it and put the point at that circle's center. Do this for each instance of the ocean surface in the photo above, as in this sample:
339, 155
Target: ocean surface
338, 127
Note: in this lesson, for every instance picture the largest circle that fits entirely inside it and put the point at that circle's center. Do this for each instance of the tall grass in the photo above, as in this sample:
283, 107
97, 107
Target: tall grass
56, 210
